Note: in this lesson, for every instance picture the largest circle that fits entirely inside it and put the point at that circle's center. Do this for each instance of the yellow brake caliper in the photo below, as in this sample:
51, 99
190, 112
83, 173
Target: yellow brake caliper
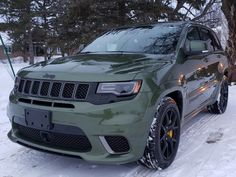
170, 133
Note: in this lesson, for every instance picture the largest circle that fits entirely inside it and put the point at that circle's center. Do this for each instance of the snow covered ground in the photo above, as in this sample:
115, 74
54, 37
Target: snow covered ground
207, 149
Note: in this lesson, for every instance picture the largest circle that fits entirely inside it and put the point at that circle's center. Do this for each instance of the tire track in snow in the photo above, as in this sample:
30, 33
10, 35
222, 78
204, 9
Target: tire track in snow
198, 126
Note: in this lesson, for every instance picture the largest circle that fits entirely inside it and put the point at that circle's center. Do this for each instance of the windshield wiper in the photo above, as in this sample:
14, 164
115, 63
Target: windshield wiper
120, 51
88, 52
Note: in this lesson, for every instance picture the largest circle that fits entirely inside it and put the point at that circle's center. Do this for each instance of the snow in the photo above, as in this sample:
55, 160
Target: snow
6, 39
207, 149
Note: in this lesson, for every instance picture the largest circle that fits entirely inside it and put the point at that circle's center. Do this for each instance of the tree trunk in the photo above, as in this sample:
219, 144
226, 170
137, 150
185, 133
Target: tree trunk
63, 52
25, 58
229, 9
122, 12
31, 48
45, 48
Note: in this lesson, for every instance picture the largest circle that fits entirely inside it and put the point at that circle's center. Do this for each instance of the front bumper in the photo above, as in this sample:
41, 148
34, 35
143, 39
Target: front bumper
128, 119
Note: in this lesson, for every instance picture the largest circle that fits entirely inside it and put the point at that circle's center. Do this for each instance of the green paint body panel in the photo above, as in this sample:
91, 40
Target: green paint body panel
196, 81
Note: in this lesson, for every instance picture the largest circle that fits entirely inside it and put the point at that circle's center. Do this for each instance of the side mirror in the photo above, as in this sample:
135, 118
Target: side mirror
196, 47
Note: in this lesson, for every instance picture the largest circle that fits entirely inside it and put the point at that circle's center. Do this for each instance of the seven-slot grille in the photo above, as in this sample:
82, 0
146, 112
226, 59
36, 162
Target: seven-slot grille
53, 89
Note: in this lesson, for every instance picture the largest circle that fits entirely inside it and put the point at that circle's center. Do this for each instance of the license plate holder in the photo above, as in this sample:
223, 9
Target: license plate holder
39, 119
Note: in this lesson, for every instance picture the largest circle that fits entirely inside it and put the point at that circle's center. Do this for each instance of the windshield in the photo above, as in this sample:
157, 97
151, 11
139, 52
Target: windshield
160, 39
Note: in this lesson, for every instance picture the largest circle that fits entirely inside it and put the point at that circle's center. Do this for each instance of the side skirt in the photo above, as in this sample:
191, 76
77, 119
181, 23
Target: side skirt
189, 116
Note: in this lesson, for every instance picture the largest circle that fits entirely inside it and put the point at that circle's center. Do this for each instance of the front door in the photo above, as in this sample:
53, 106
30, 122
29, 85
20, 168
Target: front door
194, 71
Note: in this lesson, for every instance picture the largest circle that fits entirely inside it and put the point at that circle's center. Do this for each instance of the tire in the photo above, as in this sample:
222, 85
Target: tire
219, 107
164, 135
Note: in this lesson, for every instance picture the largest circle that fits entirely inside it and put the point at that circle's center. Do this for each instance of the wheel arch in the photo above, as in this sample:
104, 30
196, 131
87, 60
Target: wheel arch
178, 97
226, 72
148, 155
177, 94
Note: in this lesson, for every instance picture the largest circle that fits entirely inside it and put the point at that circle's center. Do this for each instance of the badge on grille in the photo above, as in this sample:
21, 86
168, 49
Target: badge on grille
49, 76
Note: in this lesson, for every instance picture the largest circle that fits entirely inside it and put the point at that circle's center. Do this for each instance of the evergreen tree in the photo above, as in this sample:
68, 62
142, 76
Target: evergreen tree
69, 23
45, 13
19, 18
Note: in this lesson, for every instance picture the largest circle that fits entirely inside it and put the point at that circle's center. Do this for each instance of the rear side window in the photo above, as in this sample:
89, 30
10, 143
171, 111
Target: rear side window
210, 40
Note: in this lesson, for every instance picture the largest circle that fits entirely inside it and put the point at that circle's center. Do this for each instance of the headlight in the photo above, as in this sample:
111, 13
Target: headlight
120, 88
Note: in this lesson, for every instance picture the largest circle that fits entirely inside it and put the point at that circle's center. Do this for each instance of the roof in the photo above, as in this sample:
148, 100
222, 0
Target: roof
6, 39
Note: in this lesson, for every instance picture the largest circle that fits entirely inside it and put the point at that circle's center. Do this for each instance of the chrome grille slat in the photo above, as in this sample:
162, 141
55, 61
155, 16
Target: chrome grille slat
61, 90
50, 88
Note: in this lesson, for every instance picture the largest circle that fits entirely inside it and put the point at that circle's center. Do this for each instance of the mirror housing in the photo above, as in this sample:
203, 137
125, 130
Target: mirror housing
196, 47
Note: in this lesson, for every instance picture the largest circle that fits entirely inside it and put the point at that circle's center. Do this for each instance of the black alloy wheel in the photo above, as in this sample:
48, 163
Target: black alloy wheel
164, 135
169, 134
220, 106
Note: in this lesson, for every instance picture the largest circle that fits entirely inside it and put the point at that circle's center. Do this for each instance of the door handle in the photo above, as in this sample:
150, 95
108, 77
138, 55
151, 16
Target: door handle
204, 83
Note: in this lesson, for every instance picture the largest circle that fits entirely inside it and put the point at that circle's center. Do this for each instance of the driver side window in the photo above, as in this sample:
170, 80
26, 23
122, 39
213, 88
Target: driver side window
193, 34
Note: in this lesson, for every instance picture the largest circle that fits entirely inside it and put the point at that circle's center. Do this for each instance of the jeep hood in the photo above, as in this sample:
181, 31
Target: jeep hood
94, 65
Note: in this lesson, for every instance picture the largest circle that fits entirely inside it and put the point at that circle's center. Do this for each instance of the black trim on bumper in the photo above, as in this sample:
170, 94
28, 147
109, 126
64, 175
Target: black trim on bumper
39, 149
61, 137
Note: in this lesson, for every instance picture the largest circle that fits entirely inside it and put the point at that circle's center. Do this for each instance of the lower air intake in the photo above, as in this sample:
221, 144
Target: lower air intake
118, 144
79, 143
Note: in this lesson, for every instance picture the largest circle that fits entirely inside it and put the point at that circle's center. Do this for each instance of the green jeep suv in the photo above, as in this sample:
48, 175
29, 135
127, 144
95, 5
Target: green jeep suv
123, 98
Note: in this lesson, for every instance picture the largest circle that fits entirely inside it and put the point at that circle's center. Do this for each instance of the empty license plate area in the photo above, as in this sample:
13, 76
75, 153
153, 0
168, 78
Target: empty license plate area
39, 119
